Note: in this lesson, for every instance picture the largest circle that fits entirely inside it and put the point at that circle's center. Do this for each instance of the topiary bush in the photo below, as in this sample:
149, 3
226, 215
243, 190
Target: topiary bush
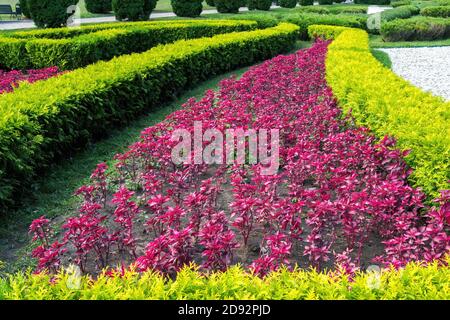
287, 3
259, 5
306, 2
50, 13
24, 7
187, 8
436, 11
133, 10
229, 6
211, 3
325, 2
98, 6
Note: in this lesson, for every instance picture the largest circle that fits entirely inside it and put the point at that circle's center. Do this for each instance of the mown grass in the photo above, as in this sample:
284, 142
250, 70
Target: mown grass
383, 57
376, 41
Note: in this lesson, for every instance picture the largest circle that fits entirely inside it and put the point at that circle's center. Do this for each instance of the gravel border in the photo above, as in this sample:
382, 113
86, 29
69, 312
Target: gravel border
425, 67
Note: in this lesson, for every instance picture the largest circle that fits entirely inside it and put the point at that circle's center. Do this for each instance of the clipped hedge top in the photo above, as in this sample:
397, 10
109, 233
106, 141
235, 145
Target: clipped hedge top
390, 105
59, 33
94, 76
39, 121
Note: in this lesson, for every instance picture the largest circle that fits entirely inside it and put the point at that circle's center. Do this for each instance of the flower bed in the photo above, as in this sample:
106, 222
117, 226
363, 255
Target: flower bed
340, 198
40, 122
11, 79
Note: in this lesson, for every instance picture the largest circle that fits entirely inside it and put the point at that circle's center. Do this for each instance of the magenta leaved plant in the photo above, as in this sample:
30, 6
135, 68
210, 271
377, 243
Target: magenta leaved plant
339, 190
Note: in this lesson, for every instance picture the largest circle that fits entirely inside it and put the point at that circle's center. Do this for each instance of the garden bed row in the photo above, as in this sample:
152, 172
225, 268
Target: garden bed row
390, 105
41, 121
339, 198
414, 282
74, 48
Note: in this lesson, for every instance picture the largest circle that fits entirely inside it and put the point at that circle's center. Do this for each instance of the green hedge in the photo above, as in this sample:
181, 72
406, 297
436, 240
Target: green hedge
84, 49
325, 32
44, 120
64, 33
356, 9
416, 29
437, 11
377, 2
390, 105
411, 283
402, 12
306, 20
399, 3
302, 19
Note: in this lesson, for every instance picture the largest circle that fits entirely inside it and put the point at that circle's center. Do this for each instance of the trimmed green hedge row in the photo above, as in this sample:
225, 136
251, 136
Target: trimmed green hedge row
390, 105
416, 28
414, 282
401, 12
41, 121
437, 11
90, 47
302, 19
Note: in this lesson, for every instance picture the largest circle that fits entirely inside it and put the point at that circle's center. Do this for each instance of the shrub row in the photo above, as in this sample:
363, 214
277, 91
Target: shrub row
301, 19
88, 48
411, 283
64, 33
401, 12
378, 2
390, 105
335, 10
436, 11
416, 28
325, 32
42, 121
305, 20
399, 3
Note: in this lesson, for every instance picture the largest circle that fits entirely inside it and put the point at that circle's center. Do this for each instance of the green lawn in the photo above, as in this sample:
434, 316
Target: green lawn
376, 41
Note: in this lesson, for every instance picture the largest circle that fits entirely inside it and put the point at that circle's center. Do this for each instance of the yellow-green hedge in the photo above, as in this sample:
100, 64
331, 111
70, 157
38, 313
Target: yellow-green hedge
46, 119
325, 31
71, 48
390, 105
412, 282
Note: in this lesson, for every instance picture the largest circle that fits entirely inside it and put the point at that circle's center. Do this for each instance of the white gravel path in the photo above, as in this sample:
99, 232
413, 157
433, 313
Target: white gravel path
377, 9
427, 68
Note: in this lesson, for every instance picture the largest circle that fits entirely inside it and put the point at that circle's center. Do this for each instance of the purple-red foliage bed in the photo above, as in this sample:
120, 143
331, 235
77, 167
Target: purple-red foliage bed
340, 197
11, 79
